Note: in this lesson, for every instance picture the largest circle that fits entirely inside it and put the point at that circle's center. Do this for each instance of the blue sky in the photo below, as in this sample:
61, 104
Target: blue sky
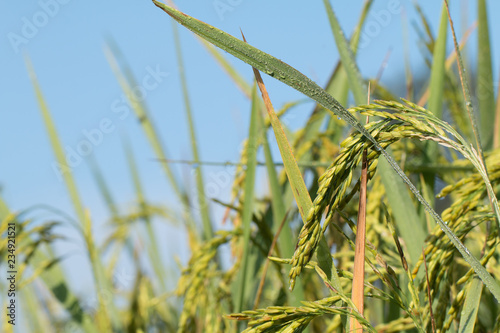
65, 41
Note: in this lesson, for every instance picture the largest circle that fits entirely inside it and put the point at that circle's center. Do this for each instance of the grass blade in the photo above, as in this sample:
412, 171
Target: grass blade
407, 220
277, 203
496, 126
266, 63
471, 306
339, 85
290, 76
486, 92
153, 249
56, 146
285, 240
105, 314
436, 86
202, 199
248, 203
356, 83
436, 89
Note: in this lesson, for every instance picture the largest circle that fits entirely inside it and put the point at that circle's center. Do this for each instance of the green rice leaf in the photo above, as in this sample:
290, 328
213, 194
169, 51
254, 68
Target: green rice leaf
356, 83
479, 160
438, 70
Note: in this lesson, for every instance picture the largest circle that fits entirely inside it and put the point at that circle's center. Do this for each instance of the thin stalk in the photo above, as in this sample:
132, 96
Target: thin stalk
470, 309
406, 47
435, 105
248, 204
103, 315
202, 200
